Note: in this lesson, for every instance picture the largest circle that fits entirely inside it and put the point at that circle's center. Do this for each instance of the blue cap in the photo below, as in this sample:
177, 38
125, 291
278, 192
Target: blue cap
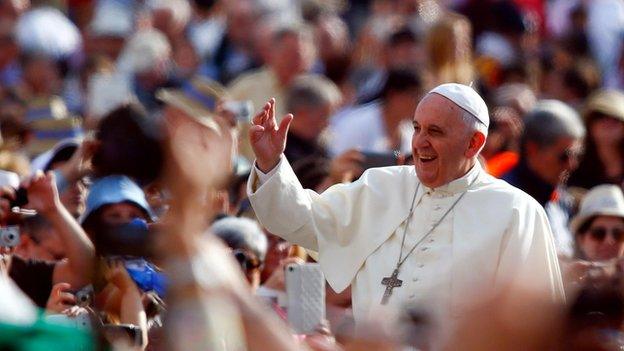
112, 190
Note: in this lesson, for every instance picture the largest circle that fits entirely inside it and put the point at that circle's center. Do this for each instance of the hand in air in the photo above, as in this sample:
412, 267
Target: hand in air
267, 139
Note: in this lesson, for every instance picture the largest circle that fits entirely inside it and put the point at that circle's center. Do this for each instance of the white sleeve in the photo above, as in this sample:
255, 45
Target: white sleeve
264, 177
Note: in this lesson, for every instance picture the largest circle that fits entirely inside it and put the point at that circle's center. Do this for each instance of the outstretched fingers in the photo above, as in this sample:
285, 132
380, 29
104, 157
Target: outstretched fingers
284, 126
270, 122
260, 117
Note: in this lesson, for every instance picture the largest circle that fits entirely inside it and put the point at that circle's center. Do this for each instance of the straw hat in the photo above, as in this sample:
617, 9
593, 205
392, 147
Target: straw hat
601, 200
197, 98
608, 102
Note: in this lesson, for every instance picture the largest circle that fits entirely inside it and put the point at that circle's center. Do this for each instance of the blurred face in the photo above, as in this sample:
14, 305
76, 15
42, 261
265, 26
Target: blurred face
442, 147
74, 198
293, 55
310, 122
607, 130
250, 265
240, 21
121, 213
404, 102
278, 249
42, 75
553, 163
404, 55
604, 239
51, 247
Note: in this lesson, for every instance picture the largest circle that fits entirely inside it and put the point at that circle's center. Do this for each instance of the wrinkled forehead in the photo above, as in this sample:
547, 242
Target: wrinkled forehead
435, 108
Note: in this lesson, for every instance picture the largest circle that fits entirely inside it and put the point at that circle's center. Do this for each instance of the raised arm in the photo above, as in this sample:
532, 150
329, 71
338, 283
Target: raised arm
268, 141
77, 268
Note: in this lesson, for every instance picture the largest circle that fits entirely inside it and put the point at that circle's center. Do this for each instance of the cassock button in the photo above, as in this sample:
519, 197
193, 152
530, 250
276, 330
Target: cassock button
420, 265
414, 279
412, 296
431, 240
424, 249
437, 208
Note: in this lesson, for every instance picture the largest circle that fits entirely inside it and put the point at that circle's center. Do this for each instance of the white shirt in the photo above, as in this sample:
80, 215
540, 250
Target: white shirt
426, 274
363, 128
496, 236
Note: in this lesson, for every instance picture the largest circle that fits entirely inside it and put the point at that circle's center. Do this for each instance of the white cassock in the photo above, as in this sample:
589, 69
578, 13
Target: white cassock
496, 235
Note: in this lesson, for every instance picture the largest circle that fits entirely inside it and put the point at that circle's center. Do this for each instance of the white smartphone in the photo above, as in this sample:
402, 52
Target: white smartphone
305, 288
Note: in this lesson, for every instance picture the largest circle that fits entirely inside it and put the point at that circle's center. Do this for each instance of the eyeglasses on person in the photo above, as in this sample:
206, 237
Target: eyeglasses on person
600, 233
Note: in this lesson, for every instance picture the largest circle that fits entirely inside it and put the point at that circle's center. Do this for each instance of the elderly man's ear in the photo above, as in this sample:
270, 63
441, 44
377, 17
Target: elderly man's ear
477, 141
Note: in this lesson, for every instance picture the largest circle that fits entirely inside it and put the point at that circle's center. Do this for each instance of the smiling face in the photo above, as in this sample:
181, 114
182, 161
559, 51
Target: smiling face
599, 242
443, 148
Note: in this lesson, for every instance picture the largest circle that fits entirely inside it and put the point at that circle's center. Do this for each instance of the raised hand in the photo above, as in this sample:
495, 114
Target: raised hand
60, 299
115, 273
267, 140
42, 193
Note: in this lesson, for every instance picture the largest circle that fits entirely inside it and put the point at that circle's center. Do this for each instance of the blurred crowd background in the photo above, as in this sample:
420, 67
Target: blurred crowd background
91, 90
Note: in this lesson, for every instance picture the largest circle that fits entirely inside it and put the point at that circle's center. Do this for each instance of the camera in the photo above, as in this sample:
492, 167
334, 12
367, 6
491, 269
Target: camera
21, 198
9, 236
84, 296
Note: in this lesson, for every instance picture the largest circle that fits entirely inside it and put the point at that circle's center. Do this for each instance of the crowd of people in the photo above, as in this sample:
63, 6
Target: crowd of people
140, 142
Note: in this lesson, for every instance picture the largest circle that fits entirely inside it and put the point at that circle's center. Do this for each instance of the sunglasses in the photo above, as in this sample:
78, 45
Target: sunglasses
247, 260
600, 233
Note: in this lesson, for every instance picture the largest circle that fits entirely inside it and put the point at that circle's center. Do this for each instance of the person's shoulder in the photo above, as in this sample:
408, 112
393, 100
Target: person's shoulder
356, 120
360, 112
389, 173
508, 192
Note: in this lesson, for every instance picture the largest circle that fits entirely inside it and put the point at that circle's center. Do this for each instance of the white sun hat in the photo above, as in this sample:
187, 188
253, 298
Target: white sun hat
601, 200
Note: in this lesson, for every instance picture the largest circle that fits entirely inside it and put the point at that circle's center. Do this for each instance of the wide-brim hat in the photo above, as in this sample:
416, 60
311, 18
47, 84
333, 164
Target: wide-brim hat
197, 98
113, 190
42, 161
602, 200
606, 101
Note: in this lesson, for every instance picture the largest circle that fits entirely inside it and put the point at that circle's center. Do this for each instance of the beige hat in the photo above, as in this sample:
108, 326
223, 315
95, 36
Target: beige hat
197, 98
601, 200
608, 102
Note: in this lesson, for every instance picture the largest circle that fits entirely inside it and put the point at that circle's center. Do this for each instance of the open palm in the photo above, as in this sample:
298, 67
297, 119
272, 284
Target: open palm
267, 140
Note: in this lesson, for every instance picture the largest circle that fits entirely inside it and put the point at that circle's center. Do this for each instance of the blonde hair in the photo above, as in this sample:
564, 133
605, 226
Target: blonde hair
449, 50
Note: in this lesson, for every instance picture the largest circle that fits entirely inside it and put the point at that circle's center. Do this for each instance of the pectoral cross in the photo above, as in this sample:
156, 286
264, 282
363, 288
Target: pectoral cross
390, 282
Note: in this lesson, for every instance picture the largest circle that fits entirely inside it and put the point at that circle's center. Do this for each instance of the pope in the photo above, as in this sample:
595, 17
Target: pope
435, 235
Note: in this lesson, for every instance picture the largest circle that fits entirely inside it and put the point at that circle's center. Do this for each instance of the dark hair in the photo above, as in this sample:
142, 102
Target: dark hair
401, 36
311, 171
130, 144
584, 227
600, 303
205, 5
33, 226
591, 162
61, 155
400, 80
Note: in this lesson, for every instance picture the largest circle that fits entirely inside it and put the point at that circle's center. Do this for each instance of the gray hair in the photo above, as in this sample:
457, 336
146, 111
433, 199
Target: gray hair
242, 233
549, 121
312, 91
473, 124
